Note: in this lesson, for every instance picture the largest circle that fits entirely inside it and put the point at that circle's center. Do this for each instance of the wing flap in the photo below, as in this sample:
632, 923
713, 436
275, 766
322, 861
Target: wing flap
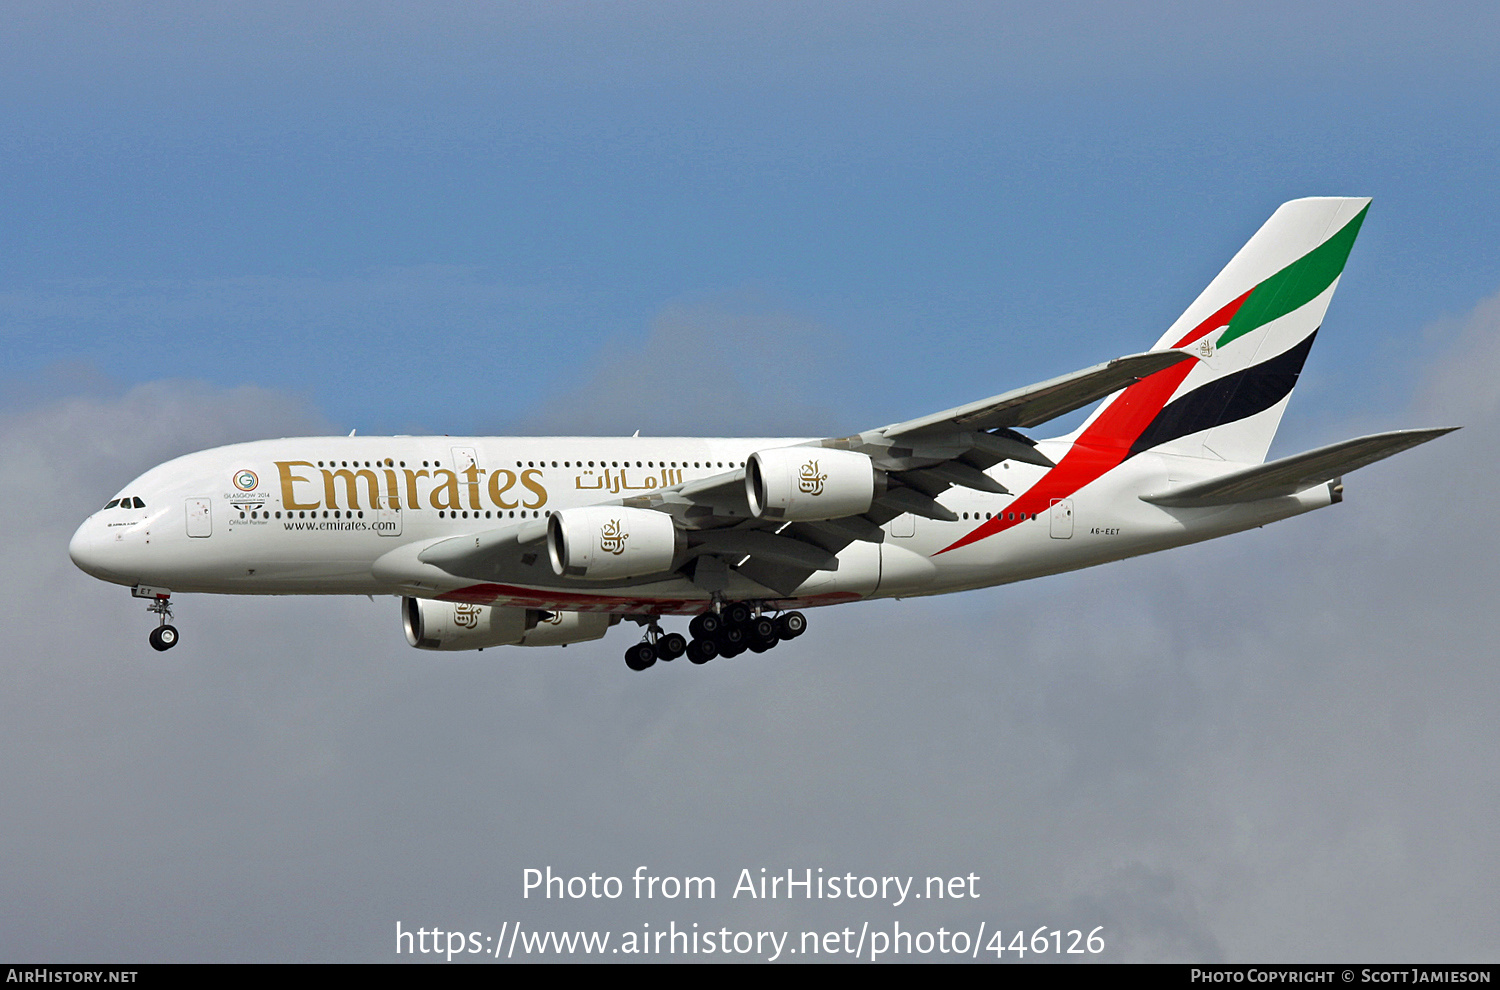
767, 546
1290, 475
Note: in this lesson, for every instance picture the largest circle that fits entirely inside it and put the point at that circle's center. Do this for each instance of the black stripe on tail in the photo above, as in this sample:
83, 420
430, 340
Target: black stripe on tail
1228, 399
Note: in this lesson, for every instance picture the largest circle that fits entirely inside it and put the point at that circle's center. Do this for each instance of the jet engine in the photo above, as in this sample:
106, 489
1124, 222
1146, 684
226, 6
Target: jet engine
562, 628
432, 625
604, 543
806, 484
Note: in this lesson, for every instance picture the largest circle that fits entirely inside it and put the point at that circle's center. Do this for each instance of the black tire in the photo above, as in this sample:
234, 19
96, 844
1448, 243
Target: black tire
163, 637
671, 646
760, 645
791, 625
706, 626
731, 637
702, 650
640, 656
762, 630
737, 613
728, 652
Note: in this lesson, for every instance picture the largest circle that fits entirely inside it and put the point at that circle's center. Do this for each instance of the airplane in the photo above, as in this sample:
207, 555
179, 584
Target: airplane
543, 541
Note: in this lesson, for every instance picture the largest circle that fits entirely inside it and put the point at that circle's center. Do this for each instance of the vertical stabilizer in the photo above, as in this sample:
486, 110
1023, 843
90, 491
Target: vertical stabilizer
1251, 331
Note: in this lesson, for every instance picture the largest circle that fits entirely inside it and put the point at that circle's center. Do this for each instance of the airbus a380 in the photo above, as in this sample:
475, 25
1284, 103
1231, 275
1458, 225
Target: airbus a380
543, 541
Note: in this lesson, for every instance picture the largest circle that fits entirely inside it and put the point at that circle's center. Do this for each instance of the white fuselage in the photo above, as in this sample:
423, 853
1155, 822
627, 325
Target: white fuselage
347, 515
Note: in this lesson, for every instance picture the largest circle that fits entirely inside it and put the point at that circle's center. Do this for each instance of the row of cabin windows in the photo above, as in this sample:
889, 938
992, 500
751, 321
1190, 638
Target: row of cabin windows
437, 464
134, 502
534, 514
346, 514
648, 464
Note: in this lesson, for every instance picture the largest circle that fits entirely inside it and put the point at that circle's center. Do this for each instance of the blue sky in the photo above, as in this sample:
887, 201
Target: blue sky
226, 221
361, 203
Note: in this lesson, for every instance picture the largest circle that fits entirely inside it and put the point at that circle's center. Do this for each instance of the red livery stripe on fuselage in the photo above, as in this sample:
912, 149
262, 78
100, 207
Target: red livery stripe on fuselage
1107, 441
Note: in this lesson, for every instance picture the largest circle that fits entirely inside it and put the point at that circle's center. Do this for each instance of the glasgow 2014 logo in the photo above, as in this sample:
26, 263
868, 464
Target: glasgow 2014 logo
246, 481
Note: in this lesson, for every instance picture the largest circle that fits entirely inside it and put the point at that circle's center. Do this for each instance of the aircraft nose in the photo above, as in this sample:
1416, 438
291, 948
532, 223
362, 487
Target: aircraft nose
87, 548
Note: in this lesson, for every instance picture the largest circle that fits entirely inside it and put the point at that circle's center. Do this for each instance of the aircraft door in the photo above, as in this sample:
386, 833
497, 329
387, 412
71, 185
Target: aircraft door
388, 521
1061, 518
463, 459
200, 517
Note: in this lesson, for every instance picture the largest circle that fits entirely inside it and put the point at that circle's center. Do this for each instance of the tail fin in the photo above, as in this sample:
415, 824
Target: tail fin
1251, 330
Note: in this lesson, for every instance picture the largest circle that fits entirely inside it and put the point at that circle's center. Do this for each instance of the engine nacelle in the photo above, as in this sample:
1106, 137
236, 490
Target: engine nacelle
604, 543
432, 625
806, 484
562, 628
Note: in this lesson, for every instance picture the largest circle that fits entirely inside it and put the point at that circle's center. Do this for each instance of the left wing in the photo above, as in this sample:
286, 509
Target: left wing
918, 460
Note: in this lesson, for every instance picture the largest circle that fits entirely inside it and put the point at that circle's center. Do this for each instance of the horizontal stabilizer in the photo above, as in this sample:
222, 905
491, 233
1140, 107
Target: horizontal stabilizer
1290, 475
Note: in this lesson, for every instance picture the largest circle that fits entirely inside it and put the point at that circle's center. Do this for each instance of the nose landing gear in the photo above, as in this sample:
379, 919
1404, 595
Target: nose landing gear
164, 636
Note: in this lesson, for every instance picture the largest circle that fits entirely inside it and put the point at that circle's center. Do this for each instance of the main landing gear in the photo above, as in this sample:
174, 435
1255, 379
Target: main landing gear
656, 646
727, 631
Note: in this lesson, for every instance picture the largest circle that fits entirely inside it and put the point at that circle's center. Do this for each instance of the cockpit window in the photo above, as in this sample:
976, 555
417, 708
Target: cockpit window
113, 503
138, 503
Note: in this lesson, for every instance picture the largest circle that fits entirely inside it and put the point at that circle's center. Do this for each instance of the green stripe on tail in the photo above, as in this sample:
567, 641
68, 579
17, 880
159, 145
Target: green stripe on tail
1297, 284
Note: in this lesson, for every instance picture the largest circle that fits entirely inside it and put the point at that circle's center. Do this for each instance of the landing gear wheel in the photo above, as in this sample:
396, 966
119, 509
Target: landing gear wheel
791, 625
163, 637
737, 613
761, 645
731, 638
702, 650
706, 626
671, 646
640, 656
761, 630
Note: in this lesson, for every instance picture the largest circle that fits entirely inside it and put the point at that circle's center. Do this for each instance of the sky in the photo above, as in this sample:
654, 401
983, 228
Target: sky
227, 222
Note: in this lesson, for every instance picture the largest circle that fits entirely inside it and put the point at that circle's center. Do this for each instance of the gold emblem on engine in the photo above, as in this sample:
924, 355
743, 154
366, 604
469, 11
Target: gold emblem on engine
612, 537
466, 615
809, 481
